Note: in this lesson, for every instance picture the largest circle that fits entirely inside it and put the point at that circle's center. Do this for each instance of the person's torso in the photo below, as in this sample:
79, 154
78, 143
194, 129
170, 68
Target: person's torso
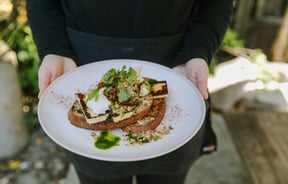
129, 19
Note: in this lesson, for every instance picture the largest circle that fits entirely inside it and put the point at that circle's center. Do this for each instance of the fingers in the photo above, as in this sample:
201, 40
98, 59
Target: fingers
196, 76
42, 86
202, 86
200, 82
43, 80
198, 72
69, 65
51, 68
45, 77
180, 69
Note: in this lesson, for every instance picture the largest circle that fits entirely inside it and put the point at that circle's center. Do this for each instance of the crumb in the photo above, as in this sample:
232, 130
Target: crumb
147, 136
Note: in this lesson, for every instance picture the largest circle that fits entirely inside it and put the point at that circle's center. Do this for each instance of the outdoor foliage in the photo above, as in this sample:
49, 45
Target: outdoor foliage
266, 74
16, 33
20, 40
232, 39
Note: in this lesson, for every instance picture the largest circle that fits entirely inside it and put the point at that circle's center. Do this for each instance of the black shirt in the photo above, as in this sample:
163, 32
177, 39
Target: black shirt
204, 22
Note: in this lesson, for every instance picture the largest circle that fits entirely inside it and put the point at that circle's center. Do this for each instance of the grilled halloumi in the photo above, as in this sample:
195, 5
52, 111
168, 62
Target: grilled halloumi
117, 112
90, 116
121, 112
159, 89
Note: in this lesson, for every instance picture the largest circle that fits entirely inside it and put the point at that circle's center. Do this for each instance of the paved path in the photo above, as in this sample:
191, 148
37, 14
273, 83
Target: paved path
221, 167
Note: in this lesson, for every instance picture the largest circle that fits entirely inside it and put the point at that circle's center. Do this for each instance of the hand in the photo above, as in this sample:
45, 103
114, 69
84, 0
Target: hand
51, 68
197, 71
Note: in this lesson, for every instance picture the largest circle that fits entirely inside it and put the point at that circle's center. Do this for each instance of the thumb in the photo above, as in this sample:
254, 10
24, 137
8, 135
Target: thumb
45, 76
43, 82
198, 73
202, 86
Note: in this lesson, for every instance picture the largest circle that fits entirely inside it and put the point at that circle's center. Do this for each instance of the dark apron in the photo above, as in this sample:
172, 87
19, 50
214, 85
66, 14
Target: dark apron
91, 48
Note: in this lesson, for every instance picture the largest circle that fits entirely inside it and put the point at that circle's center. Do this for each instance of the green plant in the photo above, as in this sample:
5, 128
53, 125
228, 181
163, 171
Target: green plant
266, 74
16, 33
232, 39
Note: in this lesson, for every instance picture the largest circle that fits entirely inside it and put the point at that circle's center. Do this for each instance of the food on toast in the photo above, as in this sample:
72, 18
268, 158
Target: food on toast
122, 99
104, 121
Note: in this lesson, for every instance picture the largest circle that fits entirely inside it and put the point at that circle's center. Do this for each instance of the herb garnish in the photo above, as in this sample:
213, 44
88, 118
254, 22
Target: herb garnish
122, 80
93, 94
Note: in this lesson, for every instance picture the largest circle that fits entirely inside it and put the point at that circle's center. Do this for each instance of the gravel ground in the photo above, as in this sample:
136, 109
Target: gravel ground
44, 162
41, 162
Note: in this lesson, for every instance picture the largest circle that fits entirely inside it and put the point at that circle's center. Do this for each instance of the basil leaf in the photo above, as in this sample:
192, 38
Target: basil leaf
123, 95
122, 72
109, 76
132, 76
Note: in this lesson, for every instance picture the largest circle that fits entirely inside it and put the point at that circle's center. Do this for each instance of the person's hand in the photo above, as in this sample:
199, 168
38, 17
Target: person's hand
51, 68
197, 71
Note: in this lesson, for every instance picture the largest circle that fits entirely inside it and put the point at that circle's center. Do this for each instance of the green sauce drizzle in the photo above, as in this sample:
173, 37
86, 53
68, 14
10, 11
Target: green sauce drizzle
106, 140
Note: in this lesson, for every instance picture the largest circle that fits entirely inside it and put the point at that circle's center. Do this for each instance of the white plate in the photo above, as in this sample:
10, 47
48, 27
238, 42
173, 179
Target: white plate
185, 112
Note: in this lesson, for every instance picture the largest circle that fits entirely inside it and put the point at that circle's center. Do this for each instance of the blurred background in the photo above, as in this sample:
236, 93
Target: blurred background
255, 50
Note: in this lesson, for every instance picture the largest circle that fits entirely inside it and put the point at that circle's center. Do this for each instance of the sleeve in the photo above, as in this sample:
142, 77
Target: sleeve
206, 31
47, 22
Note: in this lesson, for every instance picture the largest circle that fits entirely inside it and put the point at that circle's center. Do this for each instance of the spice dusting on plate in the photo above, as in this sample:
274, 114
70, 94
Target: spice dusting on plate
175, 113
63, 100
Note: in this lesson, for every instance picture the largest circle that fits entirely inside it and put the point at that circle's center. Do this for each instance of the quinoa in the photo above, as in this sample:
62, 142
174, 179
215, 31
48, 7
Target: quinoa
147, 136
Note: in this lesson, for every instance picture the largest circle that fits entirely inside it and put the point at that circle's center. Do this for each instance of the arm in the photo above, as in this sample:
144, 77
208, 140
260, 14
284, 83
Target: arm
47, 22
46, 19
206, 30
203, 38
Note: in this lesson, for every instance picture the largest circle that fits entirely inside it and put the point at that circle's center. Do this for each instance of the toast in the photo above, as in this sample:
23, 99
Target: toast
152, 119
77, 117
140, 106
